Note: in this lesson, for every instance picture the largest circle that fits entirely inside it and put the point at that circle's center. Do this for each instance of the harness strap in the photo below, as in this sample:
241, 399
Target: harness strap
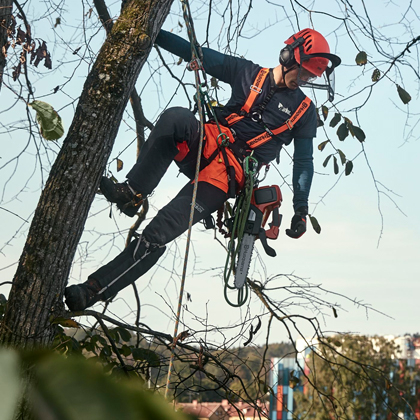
288, 125
254, 90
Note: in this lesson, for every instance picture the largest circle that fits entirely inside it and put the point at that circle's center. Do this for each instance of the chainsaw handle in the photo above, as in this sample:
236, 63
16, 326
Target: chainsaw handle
273, 232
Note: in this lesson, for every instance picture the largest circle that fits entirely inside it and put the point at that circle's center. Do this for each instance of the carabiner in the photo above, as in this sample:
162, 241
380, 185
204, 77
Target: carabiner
248, 162
224, 139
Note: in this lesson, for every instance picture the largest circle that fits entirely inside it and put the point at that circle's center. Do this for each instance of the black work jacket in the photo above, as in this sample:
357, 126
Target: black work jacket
240, 74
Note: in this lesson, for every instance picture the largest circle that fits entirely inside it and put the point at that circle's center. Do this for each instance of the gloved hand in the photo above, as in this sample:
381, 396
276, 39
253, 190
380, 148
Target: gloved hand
298, 225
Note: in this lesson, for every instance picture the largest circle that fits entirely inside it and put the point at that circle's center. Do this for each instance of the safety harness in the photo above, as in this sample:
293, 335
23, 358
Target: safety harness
255, 90
240, 149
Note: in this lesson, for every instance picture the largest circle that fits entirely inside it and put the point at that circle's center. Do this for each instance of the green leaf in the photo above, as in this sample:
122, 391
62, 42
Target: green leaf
361, 58
349, 126
336, 119
405, 96
326, 161
349, 167
314, 222
99, 338
50, 122
73, 388
10, 384
342, 131
319, 122
324, 112
114, 335
376, 75
125, 350
75, 345
146, 355
321, 146
124, 334
359, 134
89, 347
336, 170
342, 156
106, 351
109, 366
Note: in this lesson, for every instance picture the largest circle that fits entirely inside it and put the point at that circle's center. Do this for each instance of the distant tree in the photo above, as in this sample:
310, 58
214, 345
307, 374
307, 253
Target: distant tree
356, 377
249, 367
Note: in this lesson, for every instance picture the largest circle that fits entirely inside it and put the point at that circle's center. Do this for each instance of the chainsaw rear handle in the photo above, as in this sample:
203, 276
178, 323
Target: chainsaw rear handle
268, 200
273, 232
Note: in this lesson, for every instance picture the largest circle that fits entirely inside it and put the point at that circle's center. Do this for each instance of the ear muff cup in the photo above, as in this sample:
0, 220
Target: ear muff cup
287, 54
287, 57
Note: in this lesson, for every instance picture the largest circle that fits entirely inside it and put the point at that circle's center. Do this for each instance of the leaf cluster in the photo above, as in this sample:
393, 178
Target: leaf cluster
117, 350
344, 129
23, 38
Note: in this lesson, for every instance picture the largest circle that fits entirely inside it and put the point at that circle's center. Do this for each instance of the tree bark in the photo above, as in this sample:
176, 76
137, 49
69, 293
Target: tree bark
38, 285
6, 7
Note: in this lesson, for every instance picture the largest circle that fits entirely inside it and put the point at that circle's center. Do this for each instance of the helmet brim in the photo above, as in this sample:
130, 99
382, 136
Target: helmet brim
335, 60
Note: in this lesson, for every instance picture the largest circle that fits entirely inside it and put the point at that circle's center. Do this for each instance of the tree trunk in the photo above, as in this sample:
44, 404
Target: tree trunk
44, 266
5, 14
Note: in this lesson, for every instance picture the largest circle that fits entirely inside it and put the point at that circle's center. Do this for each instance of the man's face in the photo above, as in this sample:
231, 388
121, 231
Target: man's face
297, 76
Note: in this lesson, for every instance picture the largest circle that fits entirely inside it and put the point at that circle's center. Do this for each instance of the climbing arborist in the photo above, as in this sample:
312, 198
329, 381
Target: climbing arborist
267, 109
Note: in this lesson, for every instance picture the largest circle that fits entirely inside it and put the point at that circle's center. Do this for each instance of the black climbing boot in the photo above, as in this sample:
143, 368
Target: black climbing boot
82, 296
126, 199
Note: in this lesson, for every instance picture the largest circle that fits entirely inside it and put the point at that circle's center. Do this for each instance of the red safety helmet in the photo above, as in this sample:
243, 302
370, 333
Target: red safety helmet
310, 50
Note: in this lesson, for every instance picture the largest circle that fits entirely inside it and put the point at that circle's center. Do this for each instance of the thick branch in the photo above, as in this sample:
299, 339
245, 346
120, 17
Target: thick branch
141, 120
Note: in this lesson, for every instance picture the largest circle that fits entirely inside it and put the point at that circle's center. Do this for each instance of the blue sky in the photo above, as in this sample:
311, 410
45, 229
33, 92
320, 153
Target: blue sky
357, 255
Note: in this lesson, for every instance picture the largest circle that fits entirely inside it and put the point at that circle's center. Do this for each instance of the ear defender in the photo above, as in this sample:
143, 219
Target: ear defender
287, 54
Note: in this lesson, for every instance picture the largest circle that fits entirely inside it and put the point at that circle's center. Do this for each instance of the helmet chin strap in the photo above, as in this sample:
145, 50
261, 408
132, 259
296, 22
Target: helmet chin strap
285, 70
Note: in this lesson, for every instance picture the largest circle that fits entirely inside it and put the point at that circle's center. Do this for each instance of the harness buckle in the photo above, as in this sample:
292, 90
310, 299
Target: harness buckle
267, 130
289, 124
255, 89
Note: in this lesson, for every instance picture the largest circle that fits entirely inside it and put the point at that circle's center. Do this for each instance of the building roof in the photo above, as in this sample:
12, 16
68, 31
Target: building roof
224, 410
205, 410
